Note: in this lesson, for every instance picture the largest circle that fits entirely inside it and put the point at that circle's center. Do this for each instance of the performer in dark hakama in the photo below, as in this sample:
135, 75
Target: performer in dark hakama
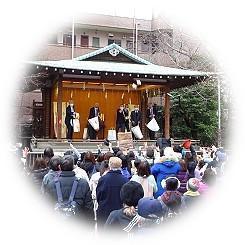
135, 118
150, 114
93, 112
126, 113
120, 122
70, 115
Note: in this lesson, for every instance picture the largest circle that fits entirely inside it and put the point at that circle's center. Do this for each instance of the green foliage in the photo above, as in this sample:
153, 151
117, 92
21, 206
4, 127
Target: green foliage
194, 112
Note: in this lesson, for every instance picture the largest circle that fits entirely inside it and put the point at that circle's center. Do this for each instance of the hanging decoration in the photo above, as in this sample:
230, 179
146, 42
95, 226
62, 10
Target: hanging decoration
88, 94
103, 86
106, 95
146, 91
84, 86
134, 86
138, 82
122, 95
71, 94
128, 88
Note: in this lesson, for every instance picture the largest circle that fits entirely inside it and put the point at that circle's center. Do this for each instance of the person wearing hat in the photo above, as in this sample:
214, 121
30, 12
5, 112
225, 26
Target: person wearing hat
172, 198
151, 210
192, 192
126, 218
108, 190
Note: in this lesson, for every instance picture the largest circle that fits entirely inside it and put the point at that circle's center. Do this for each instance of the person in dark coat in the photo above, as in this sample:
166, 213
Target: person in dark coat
54, 165
182, 176
39, 170
93, 112
66, 178
135, 117
70, 115
120, 121
108, 190
48, 153
126, 112
191, 165
88, 164
150, 114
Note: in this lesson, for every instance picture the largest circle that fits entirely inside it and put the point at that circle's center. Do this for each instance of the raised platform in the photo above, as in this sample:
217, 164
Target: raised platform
62, 145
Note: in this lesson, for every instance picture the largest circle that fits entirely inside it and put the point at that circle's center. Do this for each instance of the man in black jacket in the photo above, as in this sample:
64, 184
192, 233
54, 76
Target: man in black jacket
70, 115
120, 122
93, 112
126, 113
150, 114
66, 178
108, 190
135, 117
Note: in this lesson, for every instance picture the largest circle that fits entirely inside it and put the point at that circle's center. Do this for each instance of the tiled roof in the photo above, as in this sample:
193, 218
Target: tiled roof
117, 67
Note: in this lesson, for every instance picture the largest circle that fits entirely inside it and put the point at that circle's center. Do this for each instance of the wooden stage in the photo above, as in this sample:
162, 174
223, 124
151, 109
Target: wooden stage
62, 145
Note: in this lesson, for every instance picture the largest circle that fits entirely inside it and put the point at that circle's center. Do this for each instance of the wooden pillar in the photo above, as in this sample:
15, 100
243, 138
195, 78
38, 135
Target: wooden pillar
59, 108
143, 106
167, 115
46, 97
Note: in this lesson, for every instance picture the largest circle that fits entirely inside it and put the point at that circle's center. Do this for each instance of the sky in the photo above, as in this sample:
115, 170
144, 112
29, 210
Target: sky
146, 14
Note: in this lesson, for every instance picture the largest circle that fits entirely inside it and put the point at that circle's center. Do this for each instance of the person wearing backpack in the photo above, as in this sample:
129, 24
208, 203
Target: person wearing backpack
145, 178
66, 182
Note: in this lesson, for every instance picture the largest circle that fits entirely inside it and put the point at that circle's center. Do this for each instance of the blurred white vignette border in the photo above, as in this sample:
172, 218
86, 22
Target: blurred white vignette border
26, 24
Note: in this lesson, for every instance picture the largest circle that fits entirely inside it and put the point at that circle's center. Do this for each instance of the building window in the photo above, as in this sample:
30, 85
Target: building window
96, 42
67, 40
145, 46
84, 41
129, 45
110, 41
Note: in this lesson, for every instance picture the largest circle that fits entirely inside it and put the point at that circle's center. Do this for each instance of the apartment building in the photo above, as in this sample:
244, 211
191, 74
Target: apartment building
93, 31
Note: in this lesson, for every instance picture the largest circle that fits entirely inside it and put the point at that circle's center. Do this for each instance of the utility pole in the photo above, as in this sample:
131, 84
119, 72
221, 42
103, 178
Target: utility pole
133, 31
136, 38
72, 38
219, 115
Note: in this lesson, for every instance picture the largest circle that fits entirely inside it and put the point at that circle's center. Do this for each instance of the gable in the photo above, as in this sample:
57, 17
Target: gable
106, 56
113, 53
